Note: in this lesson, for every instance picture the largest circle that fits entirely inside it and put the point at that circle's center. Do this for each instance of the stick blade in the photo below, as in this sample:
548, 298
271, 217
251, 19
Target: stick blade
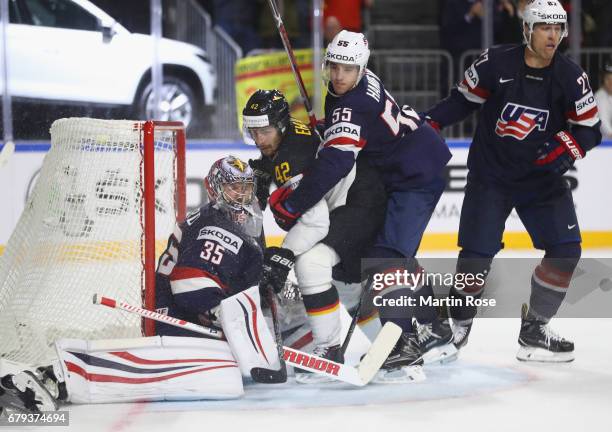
269, 376
379, 351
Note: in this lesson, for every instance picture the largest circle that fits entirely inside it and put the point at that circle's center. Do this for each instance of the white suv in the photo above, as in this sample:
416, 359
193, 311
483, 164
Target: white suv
72, 51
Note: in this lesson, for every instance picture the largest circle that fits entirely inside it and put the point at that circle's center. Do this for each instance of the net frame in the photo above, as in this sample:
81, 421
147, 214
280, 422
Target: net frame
92, 166
148, 129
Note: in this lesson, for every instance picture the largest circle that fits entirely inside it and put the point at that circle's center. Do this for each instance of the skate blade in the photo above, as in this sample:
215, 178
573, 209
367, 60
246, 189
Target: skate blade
531, 354
441, 355
27, 380
311, 378
402, 375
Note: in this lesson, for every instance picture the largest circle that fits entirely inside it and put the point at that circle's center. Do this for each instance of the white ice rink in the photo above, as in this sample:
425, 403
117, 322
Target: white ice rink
487, 389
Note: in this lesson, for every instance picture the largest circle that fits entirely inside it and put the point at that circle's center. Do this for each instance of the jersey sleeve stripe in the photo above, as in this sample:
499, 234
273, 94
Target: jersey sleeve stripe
187, 279
340, 141
589, 118
476, 94
195, 284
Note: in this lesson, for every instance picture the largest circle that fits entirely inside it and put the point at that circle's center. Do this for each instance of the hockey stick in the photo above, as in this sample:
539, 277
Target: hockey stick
294, 67
359, 376
7, 151
355, 316
272, 376
115, 304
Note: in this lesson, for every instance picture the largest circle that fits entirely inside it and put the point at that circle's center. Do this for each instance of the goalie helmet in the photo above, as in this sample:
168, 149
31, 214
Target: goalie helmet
543, 12
347, 48
266, 108
230, 185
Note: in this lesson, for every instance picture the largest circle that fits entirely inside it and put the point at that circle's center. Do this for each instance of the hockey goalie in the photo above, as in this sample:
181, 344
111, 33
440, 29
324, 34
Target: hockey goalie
208, 274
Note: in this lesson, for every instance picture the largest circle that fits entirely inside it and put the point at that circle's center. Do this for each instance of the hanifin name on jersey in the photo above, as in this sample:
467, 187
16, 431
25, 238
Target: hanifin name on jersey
518, 121
373, 89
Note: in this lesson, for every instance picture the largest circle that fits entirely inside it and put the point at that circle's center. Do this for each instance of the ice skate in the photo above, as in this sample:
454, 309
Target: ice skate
436, 342
461, 332
24, 392
404, 364
538, 343
332, 353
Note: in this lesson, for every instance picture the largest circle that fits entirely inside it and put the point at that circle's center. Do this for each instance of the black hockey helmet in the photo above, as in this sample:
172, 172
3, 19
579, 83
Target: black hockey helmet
265, 108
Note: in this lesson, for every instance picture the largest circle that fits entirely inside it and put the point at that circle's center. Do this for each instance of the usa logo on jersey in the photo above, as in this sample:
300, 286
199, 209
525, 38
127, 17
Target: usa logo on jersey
518, 121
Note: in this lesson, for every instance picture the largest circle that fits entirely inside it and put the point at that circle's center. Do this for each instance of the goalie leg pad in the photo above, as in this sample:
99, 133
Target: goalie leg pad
247, 333
148, 369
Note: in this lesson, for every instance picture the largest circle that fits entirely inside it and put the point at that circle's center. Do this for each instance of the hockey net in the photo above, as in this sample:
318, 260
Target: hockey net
107, 198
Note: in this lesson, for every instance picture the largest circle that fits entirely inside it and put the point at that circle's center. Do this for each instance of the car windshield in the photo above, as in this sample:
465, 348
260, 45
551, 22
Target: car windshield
53, 13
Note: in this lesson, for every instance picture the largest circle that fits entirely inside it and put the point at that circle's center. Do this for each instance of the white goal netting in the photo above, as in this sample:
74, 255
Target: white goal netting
81, 233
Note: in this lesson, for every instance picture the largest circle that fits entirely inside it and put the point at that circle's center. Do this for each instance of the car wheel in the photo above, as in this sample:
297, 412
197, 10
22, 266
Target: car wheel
176, 103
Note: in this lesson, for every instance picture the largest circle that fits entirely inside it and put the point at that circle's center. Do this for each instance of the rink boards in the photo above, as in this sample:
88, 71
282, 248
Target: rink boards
589, 181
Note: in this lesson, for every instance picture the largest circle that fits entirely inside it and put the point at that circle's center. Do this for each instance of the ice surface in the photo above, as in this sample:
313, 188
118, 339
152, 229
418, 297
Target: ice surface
487, 389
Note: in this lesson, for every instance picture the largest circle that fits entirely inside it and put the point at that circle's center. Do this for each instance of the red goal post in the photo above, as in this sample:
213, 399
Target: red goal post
150, 258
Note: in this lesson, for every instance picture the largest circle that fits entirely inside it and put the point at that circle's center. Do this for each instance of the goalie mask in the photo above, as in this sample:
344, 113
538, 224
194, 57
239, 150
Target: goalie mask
230, 185
265, 108
543, 12
348, 48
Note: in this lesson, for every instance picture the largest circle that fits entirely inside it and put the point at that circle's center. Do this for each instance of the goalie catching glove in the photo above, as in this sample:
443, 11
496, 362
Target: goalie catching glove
277, 264
558, 155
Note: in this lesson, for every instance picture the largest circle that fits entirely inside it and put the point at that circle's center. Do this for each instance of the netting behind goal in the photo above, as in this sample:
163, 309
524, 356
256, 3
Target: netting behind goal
85, 229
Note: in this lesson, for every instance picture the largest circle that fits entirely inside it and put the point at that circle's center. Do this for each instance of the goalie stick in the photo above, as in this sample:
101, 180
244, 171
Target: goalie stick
272, 376
146, 313
359, 376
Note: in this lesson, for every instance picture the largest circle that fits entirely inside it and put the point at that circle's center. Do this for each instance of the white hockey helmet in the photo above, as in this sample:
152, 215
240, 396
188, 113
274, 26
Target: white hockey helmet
347, 48
543, 12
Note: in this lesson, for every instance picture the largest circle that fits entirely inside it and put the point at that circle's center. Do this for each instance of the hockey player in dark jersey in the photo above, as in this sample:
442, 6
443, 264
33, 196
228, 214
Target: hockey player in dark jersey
208, 274
217, 251
537, 116
336, 231
364, 123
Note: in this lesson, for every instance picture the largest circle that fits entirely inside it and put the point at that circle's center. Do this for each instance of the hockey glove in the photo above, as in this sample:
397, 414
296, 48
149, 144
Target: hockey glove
277, 264
262, 181
211, 317
285, 217
434, 124
558, 155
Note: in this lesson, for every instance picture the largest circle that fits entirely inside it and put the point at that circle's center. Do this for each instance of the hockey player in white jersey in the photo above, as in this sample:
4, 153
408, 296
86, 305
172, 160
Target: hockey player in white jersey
202, 277
335, 231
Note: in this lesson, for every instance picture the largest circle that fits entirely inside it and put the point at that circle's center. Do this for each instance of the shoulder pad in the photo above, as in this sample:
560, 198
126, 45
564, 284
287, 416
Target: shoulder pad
368, 96
567, 67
